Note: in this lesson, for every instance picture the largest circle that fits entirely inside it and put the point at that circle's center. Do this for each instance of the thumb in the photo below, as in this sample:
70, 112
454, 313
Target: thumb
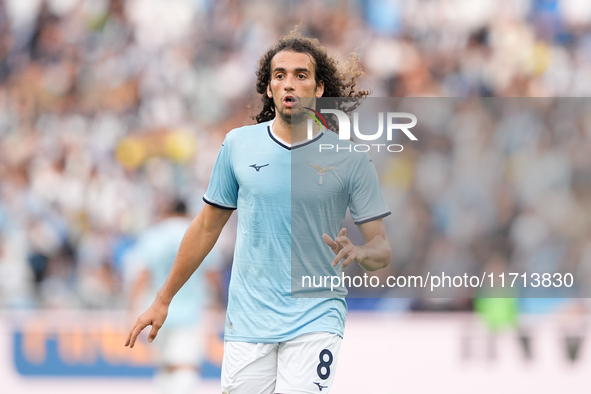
329, 241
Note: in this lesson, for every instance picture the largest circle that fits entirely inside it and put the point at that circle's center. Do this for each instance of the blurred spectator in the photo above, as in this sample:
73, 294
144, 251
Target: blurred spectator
182, 343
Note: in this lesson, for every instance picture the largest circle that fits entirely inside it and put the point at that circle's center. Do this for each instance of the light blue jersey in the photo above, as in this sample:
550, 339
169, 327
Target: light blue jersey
156, 250
253, 173
324, 184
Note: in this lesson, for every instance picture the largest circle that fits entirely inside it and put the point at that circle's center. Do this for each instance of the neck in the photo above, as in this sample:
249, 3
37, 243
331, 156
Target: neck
294, 132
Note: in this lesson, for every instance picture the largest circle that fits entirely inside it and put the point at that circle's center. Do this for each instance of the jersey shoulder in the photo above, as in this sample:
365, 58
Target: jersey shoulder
247, 132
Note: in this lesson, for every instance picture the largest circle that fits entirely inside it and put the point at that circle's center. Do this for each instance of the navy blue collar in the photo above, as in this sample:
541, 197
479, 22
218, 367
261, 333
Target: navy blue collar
295, 146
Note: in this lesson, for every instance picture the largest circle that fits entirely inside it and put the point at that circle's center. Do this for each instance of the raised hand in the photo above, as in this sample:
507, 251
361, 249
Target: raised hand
344, 249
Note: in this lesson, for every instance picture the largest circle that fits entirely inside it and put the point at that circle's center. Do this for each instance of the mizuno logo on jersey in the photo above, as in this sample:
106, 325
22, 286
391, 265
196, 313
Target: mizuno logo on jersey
320, 387
321, 174
258, 167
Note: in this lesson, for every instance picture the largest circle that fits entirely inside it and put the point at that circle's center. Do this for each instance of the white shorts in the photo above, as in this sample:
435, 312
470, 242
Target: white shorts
179, 346
305, 364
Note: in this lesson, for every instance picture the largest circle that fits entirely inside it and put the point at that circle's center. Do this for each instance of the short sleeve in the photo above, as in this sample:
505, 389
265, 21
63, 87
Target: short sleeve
366, 199
222, 191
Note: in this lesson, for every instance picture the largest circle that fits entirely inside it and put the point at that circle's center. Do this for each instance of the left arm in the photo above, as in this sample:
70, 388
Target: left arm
372, 256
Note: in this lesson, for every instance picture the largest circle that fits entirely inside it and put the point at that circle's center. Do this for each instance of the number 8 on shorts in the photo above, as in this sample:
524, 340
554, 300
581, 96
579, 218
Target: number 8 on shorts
323, 368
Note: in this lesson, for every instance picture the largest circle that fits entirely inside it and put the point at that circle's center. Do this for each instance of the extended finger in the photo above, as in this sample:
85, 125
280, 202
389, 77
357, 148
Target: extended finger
342, 237
351, 256
342, 240
139, 326
341, 255
128, 341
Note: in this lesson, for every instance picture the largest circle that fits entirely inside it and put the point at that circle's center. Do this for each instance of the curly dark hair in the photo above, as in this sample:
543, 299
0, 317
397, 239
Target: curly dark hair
339, 81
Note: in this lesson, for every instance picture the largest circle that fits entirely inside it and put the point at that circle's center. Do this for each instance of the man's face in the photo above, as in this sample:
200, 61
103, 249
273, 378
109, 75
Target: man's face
293, 85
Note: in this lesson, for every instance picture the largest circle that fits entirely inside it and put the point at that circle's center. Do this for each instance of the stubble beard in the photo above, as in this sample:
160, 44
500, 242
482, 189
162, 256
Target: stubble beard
296, 117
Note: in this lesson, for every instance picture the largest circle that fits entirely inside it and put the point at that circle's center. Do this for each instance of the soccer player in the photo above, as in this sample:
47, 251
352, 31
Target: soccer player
179, 346
276, 343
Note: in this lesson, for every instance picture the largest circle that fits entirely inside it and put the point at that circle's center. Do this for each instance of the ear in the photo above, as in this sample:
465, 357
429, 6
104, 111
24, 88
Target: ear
319, 89
269, 92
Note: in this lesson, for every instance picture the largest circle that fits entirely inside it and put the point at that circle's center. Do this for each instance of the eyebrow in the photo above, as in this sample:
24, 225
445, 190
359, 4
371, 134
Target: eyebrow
297, 70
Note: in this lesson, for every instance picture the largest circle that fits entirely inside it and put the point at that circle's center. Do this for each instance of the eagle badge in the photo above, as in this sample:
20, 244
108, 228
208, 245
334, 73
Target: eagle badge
321, 173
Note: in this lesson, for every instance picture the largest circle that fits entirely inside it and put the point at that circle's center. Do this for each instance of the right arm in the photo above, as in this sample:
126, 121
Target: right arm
197, 242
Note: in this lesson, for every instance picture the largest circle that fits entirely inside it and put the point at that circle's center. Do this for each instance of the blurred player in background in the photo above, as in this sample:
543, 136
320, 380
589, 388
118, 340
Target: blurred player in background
180, 345
276, 343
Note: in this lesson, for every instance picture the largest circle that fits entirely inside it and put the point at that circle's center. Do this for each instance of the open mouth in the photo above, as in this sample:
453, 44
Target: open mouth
289, 101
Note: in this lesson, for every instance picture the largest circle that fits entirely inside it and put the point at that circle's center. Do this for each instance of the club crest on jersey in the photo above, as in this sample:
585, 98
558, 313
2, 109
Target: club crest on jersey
321, 173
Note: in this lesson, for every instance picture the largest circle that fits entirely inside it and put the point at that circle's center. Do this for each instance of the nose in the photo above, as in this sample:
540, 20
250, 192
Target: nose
289, 83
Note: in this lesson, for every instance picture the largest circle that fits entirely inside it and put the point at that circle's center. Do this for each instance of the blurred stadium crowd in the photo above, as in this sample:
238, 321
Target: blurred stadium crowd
494, 185
110, 108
